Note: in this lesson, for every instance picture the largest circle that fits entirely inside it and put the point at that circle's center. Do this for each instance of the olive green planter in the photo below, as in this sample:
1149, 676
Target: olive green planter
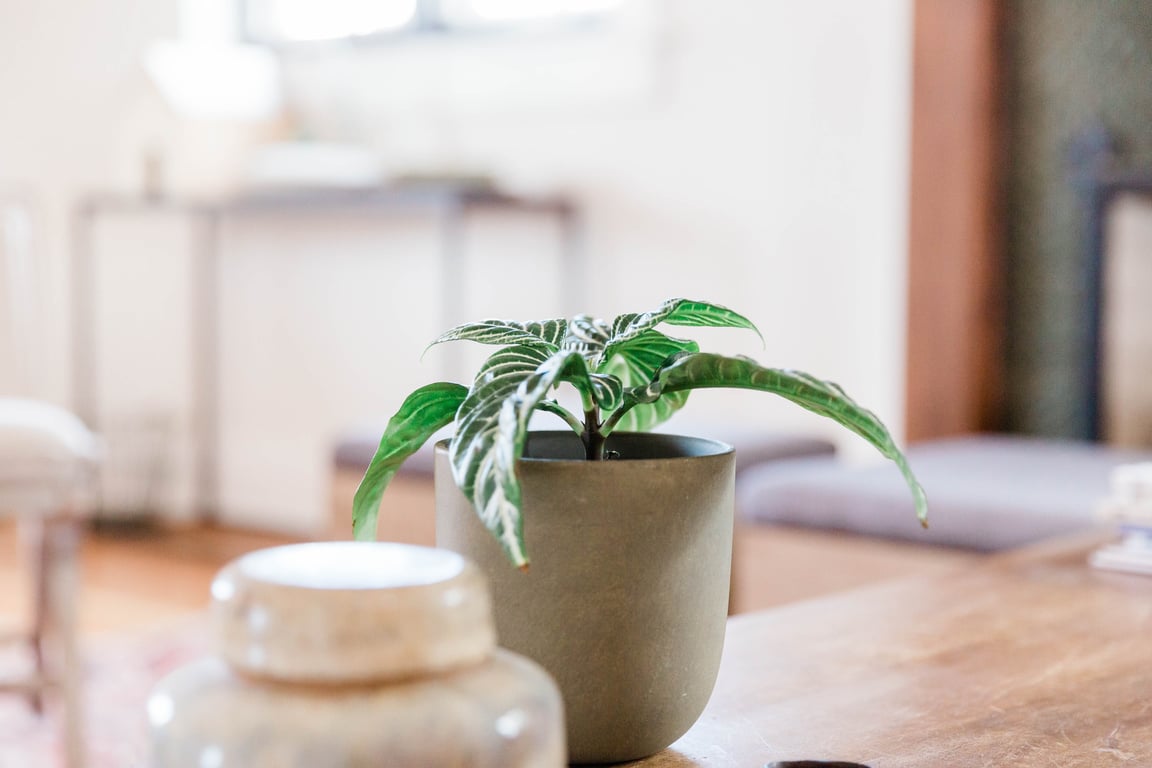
627, 594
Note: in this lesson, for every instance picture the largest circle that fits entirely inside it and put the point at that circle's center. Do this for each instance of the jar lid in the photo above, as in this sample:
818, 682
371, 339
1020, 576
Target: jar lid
338, 612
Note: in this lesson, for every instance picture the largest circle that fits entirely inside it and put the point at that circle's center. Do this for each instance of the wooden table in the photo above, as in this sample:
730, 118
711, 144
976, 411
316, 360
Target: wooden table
1029, 659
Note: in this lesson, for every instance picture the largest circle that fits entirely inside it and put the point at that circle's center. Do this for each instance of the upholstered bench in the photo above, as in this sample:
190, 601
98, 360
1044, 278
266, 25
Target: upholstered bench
985, 492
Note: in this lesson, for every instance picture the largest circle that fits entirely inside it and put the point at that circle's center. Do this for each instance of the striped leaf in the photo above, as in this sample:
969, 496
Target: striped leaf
508, 332
702, 370
478, 417
635, 362
607, 391
493, 427
586, 335
483, 461
422, 413
683, 312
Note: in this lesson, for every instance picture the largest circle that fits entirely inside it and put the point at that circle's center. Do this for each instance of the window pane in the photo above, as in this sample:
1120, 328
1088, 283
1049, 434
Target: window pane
326, 20
512, 10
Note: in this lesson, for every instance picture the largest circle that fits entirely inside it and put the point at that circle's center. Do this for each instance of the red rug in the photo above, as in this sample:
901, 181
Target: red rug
119, 673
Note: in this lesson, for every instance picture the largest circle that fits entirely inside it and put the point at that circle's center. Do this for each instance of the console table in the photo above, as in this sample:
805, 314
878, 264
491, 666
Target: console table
1028, 659
450, 201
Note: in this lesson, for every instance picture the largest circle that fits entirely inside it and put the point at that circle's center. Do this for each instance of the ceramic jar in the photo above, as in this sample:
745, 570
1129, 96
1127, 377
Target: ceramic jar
354, 654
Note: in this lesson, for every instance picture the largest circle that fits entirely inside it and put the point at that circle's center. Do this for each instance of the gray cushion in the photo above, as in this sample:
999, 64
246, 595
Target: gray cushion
753, 446
354, 451
984, 492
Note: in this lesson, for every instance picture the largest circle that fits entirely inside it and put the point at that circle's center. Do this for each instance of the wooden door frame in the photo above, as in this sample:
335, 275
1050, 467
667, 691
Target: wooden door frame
955, 307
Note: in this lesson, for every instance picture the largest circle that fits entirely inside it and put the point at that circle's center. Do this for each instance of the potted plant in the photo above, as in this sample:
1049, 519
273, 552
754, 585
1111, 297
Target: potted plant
631, 532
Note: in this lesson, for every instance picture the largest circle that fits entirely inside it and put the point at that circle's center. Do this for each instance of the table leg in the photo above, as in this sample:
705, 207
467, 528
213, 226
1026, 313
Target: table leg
62, 545
206, 355
36, 543
83, 290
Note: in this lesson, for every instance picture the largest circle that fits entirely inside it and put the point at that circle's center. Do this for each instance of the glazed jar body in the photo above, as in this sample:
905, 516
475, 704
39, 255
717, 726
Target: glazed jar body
626, 597
497, 714
355, 655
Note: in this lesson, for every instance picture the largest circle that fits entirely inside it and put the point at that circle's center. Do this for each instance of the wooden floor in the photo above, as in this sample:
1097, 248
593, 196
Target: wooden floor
130, 582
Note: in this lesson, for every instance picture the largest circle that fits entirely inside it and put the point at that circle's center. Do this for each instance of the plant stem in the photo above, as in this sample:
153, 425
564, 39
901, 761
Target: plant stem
551, 406
614, 418
592, 436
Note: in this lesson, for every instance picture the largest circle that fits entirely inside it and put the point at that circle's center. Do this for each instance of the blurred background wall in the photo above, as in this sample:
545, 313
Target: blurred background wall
1075, 73
752, 154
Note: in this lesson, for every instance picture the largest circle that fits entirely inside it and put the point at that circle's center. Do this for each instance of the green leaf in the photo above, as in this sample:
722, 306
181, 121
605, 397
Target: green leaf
508, 332
483, 462
479, 414
675, 312
702, 370
422, 413
494, 425
586, 335
644, 416
635, 362
607, 390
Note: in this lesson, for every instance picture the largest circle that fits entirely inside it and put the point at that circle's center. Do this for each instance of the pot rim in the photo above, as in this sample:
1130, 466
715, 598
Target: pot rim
710, 448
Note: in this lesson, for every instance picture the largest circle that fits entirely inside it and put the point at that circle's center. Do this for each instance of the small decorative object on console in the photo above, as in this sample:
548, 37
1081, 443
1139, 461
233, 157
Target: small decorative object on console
1129, 506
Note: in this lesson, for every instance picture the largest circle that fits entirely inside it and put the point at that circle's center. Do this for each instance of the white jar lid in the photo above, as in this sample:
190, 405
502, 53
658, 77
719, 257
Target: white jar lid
338, 612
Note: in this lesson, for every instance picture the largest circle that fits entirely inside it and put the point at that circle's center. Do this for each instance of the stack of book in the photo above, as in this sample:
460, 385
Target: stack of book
1129, 506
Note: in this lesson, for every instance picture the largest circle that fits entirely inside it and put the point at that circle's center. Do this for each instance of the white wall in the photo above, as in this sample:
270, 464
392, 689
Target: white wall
762, 166
67, 70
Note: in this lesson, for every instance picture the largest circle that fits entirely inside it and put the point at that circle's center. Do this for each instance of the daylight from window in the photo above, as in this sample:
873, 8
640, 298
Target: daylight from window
531, 9
307, 20
334, 19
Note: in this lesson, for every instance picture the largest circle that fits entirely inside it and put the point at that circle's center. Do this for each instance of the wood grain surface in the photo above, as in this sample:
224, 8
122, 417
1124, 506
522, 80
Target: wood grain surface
1033, 659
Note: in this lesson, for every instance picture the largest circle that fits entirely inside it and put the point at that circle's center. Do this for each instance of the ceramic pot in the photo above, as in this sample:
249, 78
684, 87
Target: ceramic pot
346, 654
626, 598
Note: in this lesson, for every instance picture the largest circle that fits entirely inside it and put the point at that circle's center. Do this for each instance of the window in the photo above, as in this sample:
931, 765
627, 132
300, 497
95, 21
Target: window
304, 20
463, 13
290, 21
